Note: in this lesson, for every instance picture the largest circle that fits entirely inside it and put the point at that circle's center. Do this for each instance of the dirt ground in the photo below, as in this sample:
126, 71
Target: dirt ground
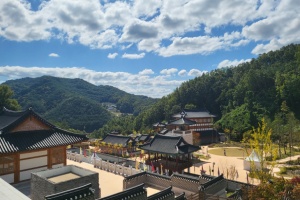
109, 183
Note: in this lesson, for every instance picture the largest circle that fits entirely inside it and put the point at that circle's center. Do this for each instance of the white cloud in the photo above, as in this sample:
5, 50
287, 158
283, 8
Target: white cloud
232, 63
169, 72
139, 84
162, 27
196, 72
53, 55
182, 72
133, 56
280, 27
112, 55
138, 30
146, 72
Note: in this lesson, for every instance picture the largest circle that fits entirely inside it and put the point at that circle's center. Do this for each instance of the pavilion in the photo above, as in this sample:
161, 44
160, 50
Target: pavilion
117, 144
168, 154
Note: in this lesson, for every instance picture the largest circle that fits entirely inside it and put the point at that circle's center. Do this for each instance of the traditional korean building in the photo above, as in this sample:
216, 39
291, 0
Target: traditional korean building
168, 154
143, 138
29, 143
116, 144
203, 119
196, 127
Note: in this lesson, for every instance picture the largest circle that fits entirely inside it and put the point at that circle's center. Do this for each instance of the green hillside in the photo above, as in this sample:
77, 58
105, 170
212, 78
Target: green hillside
74, 102
239, 96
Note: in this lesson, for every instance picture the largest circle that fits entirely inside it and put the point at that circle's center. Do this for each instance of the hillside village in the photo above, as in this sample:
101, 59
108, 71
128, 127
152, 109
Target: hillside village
36, 151
192, 144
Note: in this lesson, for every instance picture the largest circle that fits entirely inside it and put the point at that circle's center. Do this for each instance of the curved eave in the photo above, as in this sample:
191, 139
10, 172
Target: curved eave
161, 152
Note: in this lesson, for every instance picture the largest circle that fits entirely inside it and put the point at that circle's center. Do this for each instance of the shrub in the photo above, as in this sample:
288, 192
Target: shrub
283, 170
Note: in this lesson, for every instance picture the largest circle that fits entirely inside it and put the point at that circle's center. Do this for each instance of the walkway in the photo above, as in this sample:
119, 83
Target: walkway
109, 183
221, 164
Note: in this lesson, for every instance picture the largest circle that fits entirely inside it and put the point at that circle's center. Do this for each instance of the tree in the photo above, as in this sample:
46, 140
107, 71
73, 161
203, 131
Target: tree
6, 99
260, 141
276, 188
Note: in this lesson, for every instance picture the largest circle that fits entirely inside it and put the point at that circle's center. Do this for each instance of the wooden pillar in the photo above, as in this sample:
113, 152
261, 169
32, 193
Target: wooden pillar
65, 155
17, 168
189, 162
49, 159
177, 163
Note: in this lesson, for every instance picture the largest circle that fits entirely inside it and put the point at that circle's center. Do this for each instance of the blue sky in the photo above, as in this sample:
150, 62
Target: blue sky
142, 47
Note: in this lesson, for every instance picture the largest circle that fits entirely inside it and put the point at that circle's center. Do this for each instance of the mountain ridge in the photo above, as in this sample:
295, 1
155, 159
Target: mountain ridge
51, 96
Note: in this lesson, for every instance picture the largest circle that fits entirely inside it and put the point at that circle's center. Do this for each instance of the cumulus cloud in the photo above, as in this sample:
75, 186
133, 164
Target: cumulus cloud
169, 72
146, 72
112, 55
232, 63
139, 30
280, 27
133, 56
53, 55
196, 72
182, 72
163, 27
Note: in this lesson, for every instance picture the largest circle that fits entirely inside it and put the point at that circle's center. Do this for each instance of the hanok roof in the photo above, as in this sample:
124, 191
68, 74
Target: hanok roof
81, 192
136, 192
10, 119
143, 137
117, 139
193, 114
31, 140
165, 194
182, 121
11, 142
159, 124
169, 145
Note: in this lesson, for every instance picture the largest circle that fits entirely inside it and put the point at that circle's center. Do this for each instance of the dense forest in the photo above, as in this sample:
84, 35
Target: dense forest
74, 103
239, 96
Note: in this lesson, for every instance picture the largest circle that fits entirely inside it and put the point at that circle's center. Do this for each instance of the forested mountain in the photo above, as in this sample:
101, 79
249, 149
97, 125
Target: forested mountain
239, 96
74, 102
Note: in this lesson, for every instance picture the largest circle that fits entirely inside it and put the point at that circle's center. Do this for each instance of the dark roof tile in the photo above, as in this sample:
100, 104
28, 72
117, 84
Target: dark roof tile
138, 192
117, 139
169, 145
31, 140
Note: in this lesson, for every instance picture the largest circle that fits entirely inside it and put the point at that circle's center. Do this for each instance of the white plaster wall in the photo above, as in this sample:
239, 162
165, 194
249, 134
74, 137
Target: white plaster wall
64, 170
188, 138
33, 154
32, 163
25, 175
8, 178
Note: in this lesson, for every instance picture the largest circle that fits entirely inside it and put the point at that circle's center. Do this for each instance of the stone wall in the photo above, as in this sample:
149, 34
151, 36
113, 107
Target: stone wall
185, 183
178, 181
134, 180
41, 186
158, 181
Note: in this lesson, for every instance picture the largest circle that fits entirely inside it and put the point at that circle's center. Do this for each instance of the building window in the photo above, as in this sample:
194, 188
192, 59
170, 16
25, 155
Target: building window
57, 155
7, 165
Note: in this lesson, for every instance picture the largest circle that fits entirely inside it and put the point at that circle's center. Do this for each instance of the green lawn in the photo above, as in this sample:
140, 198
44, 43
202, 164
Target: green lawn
231, 152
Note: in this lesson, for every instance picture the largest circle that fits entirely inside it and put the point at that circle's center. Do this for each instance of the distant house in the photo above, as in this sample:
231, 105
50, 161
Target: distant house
196, 127
116, 144
203, 119
143, 138
28, 143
